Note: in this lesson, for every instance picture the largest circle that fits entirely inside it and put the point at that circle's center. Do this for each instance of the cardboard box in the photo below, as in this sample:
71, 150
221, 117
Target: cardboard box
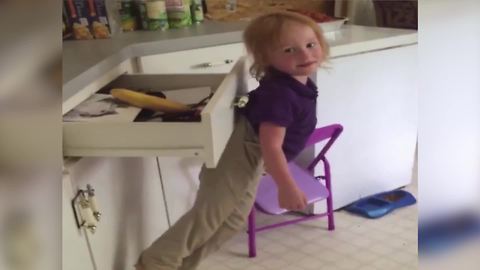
87, 19
77, 11
98, 18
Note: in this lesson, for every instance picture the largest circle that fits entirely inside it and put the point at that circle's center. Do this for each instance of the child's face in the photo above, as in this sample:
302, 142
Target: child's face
298, 53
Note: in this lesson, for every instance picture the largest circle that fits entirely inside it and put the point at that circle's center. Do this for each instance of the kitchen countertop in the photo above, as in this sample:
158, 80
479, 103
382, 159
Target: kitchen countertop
86, 60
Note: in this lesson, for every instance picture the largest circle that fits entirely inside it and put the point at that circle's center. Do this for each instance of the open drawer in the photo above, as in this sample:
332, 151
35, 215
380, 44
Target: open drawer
205, 139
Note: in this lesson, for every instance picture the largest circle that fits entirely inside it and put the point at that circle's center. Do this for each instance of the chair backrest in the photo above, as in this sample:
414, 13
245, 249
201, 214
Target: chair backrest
331, 133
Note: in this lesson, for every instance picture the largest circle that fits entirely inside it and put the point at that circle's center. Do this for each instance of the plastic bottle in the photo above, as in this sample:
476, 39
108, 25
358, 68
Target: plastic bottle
127, 15
141, 10
178, 12
196, 9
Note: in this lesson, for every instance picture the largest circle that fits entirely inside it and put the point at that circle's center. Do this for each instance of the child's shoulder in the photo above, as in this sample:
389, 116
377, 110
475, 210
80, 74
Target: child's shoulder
272, 93
275, 87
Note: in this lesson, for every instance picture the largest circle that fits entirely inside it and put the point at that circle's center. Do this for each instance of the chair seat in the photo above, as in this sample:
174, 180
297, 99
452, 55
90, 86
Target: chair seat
267, 193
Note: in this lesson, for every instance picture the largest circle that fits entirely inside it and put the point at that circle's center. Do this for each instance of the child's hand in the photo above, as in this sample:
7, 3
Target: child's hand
291, 198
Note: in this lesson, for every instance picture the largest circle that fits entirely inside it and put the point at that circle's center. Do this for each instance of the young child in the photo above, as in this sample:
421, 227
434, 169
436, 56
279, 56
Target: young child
270, 131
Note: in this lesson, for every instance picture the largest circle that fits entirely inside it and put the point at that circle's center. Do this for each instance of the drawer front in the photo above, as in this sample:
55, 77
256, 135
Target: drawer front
217, 59
205, 139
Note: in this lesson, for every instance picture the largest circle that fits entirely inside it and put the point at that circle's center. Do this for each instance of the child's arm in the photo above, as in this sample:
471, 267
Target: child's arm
271, 140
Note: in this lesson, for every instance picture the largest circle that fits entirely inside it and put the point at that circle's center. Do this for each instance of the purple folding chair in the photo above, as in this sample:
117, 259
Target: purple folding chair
267, 201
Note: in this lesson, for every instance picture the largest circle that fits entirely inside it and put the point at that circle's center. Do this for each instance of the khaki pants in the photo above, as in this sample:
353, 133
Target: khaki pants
223, 202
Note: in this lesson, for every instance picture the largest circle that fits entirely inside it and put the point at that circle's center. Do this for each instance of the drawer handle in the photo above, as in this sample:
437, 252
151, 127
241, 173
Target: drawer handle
240, 102
214, 64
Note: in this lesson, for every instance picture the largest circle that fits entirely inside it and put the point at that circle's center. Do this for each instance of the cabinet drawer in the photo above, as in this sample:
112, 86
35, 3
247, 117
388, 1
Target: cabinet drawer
217, 59
205, 139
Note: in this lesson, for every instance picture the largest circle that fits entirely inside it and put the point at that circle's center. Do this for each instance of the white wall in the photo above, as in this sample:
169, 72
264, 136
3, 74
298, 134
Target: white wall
449, 106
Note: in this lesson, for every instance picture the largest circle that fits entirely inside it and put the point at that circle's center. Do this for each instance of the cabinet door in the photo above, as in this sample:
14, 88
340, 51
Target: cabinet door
216, 59
130, 199
374, 96
75, 249
180, 180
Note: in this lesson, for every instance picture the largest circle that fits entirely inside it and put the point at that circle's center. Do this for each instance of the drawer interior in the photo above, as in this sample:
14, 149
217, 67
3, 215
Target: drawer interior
194, 88
166, 81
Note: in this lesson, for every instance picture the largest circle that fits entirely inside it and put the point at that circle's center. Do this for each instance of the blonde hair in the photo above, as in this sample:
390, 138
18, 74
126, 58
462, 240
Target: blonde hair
266, 30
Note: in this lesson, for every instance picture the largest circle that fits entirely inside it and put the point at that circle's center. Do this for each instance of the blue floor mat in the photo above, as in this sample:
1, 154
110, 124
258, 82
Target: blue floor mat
378, 205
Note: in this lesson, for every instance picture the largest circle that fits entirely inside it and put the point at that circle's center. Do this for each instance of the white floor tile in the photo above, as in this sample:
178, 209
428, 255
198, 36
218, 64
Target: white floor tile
387, 243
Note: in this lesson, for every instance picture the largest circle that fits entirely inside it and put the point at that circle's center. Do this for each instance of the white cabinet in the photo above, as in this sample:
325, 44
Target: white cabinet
180, 181
130, 198
216, 59
209, 60
374, 96
129, 190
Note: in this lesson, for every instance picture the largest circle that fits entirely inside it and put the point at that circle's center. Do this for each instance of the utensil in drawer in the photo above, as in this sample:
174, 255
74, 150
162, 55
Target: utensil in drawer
148, 101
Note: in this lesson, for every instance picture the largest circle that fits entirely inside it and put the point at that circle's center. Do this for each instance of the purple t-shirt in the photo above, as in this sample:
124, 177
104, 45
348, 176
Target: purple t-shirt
282, 100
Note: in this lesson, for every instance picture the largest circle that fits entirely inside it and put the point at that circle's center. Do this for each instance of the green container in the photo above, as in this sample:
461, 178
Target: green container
178, 12
127, 15
156, 15
196, 10
142, 19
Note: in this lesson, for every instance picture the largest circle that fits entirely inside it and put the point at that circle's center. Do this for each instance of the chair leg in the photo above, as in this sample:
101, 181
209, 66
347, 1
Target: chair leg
328, 183
331, 221
252, 249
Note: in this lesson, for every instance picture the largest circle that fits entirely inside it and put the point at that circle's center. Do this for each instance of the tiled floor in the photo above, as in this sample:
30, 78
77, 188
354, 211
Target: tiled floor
388, 243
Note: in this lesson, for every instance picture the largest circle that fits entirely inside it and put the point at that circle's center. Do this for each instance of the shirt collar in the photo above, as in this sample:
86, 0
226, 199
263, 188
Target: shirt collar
308, 90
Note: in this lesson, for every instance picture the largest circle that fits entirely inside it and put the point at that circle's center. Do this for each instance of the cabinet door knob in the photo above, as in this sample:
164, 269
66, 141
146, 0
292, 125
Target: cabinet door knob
93, 202
85, 209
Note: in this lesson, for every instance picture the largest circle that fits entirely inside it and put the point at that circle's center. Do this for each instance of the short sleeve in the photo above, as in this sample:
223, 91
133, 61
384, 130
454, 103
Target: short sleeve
272, 106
